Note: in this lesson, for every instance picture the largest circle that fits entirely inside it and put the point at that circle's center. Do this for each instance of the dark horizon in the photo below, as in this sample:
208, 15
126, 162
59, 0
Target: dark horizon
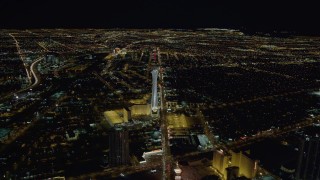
265, 16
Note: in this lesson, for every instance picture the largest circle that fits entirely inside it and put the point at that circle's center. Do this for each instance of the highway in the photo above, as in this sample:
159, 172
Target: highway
21, 56
116, 171
33, 71
29, 71
166, 157
35, 76
273, 133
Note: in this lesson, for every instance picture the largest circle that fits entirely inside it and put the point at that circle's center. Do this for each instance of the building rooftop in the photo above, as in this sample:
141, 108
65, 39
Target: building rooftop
113, 117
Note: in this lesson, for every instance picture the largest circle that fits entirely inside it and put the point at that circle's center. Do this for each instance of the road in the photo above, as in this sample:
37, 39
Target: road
29, 71
21, 56
34, 71
268, 72
167, 159
35, 75
206, 128
257, 99
115, 172
103, 81
259, 137
23, 129
140, 76
43, 47
273, 133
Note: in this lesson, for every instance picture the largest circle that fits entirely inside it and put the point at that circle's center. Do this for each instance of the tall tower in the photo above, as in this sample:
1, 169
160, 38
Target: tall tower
308, 166
154, 98
119, 147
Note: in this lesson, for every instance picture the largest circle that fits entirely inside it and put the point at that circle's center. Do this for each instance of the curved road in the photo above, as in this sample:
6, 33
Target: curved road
32, 70
35, 76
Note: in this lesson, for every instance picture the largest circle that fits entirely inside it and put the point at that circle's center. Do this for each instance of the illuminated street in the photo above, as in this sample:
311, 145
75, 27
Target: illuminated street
157, 104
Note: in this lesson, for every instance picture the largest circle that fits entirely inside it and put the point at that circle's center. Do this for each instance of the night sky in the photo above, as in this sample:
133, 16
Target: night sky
260, 15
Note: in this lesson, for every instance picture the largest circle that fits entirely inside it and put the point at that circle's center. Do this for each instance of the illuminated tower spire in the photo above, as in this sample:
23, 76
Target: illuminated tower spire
154, 98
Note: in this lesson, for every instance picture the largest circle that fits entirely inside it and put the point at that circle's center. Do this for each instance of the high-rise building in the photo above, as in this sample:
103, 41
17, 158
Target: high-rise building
119, 147
154, 98
308, 166
232, 172
126, 114
223, 160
